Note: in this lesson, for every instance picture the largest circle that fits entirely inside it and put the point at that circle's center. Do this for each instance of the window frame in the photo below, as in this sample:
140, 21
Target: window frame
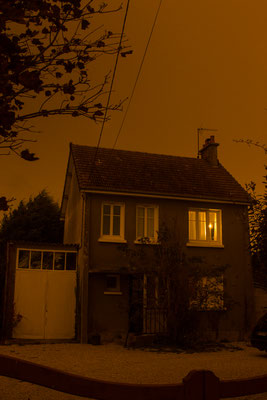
113, 238
205, 242
148, 240
42, 251
117, 289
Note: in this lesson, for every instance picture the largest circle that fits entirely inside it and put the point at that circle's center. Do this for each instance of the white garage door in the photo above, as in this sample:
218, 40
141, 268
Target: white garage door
45, 294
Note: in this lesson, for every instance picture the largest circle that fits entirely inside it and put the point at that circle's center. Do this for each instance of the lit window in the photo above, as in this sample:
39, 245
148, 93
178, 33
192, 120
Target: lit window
208, 293
146, 223
205, 227
112, 222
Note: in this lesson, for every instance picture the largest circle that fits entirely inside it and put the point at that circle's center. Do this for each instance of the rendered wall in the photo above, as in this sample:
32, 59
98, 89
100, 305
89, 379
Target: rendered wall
236, 320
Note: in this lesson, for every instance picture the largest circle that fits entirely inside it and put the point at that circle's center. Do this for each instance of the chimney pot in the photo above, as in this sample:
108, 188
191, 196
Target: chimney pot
209, 151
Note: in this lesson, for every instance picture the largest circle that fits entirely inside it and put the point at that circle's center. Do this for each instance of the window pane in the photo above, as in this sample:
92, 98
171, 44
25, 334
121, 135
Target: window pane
24, 256
150, 222
48, 260
116, 224
116, 210
192, 226
106, 209
59, 261
71, 261
112, 282
36, 258
202, 234
213, 226
140, 222
106, 224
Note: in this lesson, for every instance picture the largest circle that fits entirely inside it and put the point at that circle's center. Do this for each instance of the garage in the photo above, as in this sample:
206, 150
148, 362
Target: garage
44, 288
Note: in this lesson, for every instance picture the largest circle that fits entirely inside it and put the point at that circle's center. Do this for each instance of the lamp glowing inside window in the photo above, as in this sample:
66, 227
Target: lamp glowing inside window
203, 225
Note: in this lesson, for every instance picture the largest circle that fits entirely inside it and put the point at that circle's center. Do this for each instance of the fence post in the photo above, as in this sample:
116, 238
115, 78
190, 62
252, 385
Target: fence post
211, 386
194, 385
201, 385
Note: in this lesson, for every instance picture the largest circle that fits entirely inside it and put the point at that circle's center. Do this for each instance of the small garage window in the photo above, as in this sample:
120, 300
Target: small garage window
46, 260
36, 259
24, 258
112, 284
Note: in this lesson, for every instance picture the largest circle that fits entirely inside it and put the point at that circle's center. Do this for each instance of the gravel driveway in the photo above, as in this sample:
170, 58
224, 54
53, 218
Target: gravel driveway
115, 363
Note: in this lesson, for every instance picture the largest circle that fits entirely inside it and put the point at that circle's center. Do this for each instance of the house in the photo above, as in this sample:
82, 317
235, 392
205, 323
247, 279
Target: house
114, 197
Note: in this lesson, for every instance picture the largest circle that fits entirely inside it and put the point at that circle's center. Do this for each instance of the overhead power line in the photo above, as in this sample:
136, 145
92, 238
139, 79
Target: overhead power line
112, 81
138, 74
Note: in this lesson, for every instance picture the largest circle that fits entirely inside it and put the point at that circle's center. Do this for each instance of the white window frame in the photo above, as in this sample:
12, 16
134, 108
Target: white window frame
113, 238
206, 242
150, 240
42, 251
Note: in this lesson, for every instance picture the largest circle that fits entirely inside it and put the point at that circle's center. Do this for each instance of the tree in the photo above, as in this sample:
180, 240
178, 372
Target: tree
46, 50
258, 224
38, 220
179, 285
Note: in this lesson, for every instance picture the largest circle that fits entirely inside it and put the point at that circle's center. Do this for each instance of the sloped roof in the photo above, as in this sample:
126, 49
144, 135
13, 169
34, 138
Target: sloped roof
153, 174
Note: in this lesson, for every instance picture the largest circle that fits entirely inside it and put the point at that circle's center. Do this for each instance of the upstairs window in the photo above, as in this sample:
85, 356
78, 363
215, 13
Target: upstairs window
146, 223
112, 222
204, 227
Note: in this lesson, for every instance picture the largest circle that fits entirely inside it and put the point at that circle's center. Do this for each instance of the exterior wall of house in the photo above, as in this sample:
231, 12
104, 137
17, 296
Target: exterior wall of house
108, 312
232, 323
73, 214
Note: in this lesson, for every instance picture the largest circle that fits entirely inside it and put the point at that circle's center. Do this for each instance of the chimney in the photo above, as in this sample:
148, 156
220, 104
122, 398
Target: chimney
209, 151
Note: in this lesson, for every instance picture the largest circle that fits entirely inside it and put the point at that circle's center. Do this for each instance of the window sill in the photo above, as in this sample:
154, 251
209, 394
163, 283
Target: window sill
145, 243
205, 244
116, 293
111, 240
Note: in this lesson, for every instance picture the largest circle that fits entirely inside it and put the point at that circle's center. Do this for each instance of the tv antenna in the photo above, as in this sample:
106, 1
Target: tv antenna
198, 133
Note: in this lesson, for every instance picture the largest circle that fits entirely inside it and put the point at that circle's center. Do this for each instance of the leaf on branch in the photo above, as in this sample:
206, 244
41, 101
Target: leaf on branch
37, 42
98, 105
126, 53
75, 114
68, 88
45, 113
90, 9
100, 43
69, 66
80, 65
72, 98
58, 74
45, 31
83, 108
85, 24
48, 93
98, 113
26, 155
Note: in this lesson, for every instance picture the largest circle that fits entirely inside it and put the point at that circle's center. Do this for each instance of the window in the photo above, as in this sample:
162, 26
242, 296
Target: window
46, 260
205, 227
112, 284
208, 293
112, 222
146, 223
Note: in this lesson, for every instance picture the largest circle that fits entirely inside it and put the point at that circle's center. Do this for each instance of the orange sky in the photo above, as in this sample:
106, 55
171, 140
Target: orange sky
206, 67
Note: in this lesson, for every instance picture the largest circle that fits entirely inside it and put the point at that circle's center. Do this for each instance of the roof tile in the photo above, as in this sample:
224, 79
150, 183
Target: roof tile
157, 174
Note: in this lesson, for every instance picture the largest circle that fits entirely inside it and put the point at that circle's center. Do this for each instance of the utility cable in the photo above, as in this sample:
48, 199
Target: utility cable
138, 74
111, 85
